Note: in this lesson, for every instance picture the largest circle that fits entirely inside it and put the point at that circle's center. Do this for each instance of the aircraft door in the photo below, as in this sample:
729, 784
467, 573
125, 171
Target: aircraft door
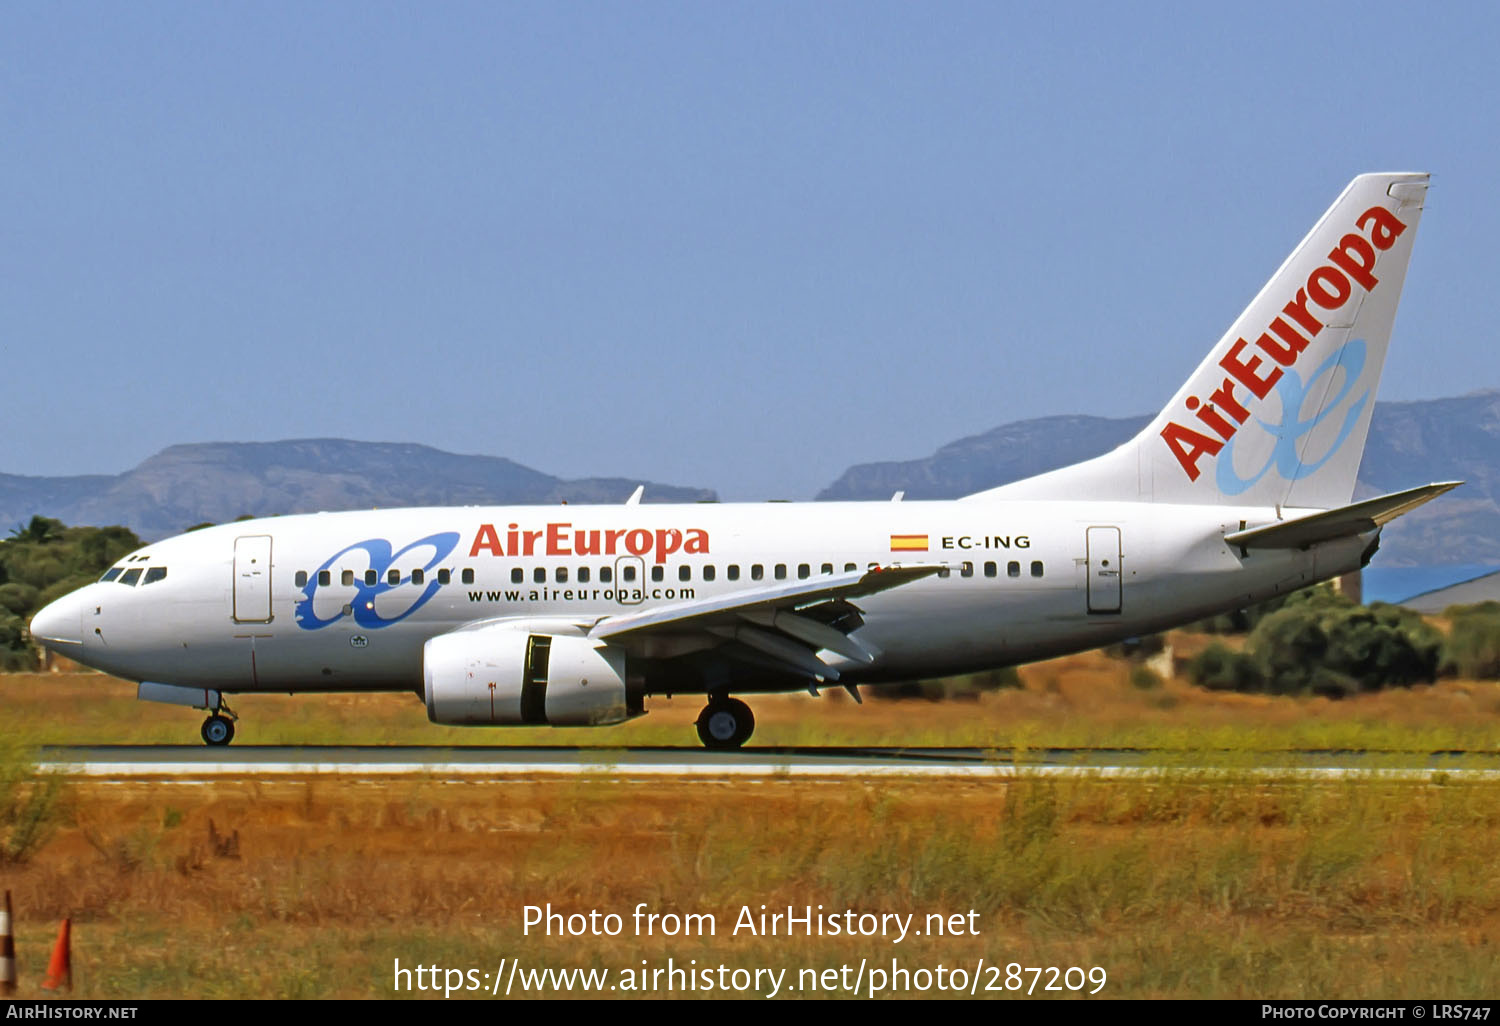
252, 579
1105, 570
630, 580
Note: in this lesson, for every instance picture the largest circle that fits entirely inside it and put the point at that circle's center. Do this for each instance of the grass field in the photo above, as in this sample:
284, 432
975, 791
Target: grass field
1181, 886
1079, 700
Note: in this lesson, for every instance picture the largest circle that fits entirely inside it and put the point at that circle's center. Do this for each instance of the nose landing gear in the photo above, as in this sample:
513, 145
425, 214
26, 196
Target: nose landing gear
218, 729
725, 723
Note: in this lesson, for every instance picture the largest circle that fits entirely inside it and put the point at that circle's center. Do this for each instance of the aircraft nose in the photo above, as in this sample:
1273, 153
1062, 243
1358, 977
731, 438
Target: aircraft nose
60, 622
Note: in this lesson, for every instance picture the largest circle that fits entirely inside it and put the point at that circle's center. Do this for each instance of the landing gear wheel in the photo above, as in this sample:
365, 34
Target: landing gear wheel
218, 730
725, 723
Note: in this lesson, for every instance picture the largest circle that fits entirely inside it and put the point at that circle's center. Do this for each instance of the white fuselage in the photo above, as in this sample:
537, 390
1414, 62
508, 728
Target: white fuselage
570, 615
346, 601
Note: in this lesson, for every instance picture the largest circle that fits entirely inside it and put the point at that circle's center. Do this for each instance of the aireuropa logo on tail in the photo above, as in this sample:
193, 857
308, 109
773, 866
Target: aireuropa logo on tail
1289, 462
1328, 288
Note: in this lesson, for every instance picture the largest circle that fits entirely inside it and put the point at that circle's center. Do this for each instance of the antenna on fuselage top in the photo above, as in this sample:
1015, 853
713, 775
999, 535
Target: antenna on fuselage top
635, 496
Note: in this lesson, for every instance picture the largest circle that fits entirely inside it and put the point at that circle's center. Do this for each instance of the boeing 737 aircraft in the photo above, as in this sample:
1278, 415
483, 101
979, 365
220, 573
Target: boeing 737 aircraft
1241, 489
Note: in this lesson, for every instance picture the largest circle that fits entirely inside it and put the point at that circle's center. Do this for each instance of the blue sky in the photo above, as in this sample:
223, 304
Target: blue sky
739, 246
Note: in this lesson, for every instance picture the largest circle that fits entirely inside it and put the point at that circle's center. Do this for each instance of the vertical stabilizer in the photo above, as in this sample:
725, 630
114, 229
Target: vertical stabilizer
1279, 411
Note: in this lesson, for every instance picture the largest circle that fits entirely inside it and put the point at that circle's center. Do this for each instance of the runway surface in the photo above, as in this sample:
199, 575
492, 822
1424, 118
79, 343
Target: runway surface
198, 762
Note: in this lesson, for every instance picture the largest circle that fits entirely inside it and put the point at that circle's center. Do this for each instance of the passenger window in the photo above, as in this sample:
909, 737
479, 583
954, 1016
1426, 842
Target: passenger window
562, 575
803, 571
658, 573
301, 578
849, 568
945, 572
733, 572
968, 570
628, 572
445, 576
757, 572
539, 575
583, 575
990, 569
709, 573
130, 577
371, 577
417, 577
393, 577
467, 576
1036, 568
606, 574
781, 571
684, 573
111, 574
1013, 569
159, 573
325, 578
517, 575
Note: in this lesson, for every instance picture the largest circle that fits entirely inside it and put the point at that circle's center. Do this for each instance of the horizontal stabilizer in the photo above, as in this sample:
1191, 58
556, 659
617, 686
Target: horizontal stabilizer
1338, 523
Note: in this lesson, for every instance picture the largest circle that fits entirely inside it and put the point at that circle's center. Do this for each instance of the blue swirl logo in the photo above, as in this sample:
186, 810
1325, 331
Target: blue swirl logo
1293, 391
362, 605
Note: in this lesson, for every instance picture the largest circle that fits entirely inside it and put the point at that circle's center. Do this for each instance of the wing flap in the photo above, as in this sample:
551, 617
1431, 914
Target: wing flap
800, 657
819, 635
730, 609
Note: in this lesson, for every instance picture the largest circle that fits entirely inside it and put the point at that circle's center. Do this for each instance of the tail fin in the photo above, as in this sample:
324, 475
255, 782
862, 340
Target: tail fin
1279, 412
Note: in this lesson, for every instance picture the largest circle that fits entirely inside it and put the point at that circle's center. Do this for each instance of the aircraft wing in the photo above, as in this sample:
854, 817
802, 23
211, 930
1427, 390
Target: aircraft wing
782, 625
1300, 532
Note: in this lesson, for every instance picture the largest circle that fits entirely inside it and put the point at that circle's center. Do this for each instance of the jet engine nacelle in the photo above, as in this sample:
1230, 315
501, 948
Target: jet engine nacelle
514, 675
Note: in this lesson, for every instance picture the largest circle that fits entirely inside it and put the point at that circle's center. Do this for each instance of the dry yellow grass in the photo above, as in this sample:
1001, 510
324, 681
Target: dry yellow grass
1078, 700
1177, 886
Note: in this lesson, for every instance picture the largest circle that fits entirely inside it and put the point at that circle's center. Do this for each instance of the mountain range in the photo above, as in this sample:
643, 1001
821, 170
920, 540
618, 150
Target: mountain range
185, 485
1410, 443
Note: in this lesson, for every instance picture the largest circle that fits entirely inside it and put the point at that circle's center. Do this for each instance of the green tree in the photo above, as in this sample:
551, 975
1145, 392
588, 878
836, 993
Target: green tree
1220, 668
1472, 648
42, 560
40, 529
1319, 642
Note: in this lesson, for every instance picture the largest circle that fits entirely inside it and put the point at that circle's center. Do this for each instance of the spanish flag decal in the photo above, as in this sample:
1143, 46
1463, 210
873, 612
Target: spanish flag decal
908, 543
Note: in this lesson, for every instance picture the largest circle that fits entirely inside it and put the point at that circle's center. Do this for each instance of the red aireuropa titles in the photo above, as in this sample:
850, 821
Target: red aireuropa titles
1328, 287
561, 539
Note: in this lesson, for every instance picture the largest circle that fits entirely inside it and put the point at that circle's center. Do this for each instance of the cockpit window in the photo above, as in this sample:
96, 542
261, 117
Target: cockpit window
131, 576
111, 573
156, 573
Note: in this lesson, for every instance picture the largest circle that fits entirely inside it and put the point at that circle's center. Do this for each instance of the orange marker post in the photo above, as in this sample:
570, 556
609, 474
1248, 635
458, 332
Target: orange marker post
60, 969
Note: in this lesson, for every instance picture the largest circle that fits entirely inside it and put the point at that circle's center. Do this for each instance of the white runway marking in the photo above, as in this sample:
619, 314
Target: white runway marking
743, 768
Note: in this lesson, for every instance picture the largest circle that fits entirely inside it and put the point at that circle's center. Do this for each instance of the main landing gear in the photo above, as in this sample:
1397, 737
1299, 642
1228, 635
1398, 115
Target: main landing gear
218, 729
725, 723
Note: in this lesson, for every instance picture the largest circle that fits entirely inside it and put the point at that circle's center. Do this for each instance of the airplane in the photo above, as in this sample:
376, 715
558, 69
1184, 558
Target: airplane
1239, 490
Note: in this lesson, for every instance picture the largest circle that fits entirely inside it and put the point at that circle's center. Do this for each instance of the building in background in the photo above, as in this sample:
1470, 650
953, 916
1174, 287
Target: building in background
1466, 593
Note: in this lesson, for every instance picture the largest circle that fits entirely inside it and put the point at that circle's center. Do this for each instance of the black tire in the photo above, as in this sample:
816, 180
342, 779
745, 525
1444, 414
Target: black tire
725, 723
218, 730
